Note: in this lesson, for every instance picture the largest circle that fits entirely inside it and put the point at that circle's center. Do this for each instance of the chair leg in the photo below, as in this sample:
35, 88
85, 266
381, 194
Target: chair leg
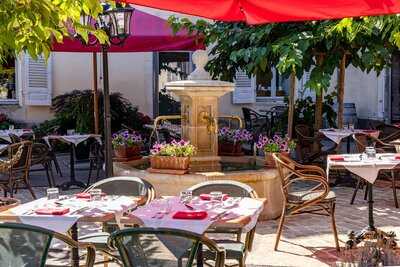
333, 221
28, 185
90, 173
280, 228
396, 203
57, 166
46, 168
242, 262
355, 191
106, 259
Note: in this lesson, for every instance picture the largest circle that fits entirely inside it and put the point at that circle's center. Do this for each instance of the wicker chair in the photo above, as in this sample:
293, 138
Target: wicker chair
309, 147
318, 200
41, 156
362, 141
123, 186
149, 247
235, 249
388, 132
15, 170
27, 245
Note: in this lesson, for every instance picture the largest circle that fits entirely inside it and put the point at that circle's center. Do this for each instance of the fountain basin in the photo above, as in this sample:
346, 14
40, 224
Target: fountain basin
246, 169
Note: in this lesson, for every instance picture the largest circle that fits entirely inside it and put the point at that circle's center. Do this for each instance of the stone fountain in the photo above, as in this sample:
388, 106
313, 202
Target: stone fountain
199, 97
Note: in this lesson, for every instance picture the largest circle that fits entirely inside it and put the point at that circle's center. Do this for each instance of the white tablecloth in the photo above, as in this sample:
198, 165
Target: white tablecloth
367, 169
243, 207
61, 223
336, 135
73, 139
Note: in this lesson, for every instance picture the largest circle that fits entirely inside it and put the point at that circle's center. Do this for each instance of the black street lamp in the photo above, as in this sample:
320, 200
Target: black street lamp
115, 22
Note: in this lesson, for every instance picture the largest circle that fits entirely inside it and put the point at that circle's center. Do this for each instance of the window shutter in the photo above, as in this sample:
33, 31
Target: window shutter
38, 81
245, 91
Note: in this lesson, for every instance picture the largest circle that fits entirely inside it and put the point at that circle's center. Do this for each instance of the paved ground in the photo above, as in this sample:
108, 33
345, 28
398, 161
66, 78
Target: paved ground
307, 240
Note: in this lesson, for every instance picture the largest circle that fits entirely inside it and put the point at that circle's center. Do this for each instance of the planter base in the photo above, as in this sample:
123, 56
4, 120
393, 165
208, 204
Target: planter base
168, 171
233, 154
117, 159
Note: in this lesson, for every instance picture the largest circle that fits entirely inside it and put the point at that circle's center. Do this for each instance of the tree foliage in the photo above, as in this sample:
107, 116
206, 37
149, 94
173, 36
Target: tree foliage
316, 46
32, 25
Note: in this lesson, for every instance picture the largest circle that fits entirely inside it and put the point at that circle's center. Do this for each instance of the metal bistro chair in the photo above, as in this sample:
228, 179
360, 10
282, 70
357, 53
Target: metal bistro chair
318, 200
161, 247
96, 159
123, 186
388, 132
362, 141
256, 123
16, 170
235, 249
27, 245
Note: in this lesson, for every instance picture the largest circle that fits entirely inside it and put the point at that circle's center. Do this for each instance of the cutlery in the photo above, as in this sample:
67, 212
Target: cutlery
189, 207
219, 216
79, 210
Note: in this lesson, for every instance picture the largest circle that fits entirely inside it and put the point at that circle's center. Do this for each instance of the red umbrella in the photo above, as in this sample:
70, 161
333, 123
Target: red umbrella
267, 11
149, 33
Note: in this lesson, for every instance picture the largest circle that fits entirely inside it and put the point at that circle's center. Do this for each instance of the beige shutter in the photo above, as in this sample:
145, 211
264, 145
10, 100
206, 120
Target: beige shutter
37, 81
245, 89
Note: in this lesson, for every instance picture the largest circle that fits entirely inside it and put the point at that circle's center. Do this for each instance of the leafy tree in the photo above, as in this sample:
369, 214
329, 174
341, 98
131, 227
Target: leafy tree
32, 25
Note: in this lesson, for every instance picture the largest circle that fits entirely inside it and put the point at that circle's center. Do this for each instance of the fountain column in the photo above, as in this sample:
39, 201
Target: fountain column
199, 97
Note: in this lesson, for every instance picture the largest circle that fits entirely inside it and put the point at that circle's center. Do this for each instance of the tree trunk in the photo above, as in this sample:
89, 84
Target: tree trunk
291, 104
318, 101
95, 95
340, 96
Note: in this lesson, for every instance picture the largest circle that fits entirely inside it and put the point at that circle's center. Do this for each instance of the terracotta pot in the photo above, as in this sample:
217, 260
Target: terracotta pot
229, 149
170, 163
127, 152
269, 159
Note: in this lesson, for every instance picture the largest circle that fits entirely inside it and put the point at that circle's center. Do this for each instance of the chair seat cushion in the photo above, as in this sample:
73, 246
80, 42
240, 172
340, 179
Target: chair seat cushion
303, 196
234, 249
99, 240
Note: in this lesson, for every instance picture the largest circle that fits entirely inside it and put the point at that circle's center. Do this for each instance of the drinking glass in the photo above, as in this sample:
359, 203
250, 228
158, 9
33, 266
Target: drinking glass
351, 126
370, 151
95, 194
216, 197
70, 132
11, 127
52, 193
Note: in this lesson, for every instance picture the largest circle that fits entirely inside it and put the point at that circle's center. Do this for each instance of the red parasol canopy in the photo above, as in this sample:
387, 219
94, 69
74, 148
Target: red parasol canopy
267, 11
149, 33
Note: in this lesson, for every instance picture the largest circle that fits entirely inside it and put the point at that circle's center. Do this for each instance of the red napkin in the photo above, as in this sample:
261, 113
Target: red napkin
338, 158
85, 195
52, 211
397, 156
208, 196
190, 215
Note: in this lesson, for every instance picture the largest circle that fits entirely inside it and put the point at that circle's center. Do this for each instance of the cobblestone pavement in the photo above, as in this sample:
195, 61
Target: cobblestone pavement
306, 240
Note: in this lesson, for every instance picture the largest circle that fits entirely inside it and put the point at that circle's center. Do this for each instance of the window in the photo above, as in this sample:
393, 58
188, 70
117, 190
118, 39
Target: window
273, 86
8, 88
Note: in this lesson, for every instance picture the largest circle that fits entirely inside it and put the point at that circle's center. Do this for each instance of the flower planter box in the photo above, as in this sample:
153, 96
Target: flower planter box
230, 149
124, 153
169, 165
269, 159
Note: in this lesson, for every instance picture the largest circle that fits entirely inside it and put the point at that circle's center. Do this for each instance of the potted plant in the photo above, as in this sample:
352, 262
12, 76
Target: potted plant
173, 158
127, 146
277, 144
230, 141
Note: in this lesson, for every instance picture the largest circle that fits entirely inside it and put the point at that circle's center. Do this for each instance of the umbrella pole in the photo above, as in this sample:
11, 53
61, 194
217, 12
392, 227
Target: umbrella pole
95, 96
291, 104
107, 115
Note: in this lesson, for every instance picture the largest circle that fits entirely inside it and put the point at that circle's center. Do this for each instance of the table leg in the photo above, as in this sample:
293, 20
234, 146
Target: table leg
348, 144
74, 251
72, 181
371, 225
200, 256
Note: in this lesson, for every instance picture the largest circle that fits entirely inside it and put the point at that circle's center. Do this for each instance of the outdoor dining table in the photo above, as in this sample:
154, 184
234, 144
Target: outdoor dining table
5, 134
234, 213
80, 210
368, 169
337, 135
73, 141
